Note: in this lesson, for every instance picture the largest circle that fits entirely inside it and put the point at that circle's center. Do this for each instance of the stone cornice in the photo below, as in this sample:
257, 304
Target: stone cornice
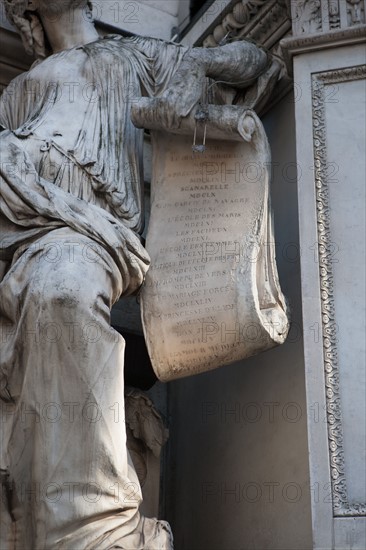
296, 45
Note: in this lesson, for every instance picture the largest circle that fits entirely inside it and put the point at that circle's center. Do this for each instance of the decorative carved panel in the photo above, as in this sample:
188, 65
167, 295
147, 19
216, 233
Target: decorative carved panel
314, 16
341, 502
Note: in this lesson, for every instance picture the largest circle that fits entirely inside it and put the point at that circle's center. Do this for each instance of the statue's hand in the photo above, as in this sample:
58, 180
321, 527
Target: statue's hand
238, 64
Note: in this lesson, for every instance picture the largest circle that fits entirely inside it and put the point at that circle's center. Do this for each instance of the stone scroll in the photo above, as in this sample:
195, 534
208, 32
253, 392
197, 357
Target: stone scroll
212, 295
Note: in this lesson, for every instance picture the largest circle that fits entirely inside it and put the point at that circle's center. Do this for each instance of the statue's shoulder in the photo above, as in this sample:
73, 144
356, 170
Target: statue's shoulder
146, 44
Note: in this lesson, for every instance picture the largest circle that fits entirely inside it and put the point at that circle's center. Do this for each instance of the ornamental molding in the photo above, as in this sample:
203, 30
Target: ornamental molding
341, 505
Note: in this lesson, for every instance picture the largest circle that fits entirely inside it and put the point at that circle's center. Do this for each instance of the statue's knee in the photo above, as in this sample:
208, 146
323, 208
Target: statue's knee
61, 290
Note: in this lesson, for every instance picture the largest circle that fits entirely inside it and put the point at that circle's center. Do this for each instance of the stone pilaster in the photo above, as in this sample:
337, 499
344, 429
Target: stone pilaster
326, 55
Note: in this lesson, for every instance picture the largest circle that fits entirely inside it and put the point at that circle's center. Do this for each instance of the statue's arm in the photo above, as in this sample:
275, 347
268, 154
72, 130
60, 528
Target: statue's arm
240, 65
237, 64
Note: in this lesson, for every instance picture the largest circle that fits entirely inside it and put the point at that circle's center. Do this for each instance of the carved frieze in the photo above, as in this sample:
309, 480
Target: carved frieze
306, 16
317, 16
355, 12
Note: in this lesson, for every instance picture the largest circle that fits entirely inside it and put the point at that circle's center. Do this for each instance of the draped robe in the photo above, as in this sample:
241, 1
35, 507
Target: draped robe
71, 214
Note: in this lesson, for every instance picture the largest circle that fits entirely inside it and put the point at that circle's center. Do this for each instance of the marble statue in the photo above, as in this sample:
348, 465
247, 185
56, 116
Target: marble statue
71, 218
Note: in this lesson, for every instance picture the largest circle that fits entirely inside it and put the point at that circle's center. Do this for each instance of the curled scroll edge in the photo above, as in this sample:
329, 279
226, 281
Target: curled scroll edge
259, 299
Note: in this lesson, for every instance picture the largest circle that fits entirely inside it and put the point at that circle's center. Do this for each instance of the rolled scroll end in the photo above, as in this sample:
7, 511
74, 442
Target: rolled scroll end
227, 122
247, 126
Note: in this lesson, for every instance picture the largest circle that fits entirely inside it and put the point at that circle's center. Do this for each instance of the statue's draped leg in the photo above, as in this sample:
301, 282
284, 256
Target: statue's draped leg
64, 461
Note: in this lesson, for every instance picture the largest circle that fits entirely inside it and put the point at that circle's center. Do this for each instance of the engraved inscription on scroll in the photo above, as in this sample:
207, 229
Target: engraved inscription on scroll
212, 295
